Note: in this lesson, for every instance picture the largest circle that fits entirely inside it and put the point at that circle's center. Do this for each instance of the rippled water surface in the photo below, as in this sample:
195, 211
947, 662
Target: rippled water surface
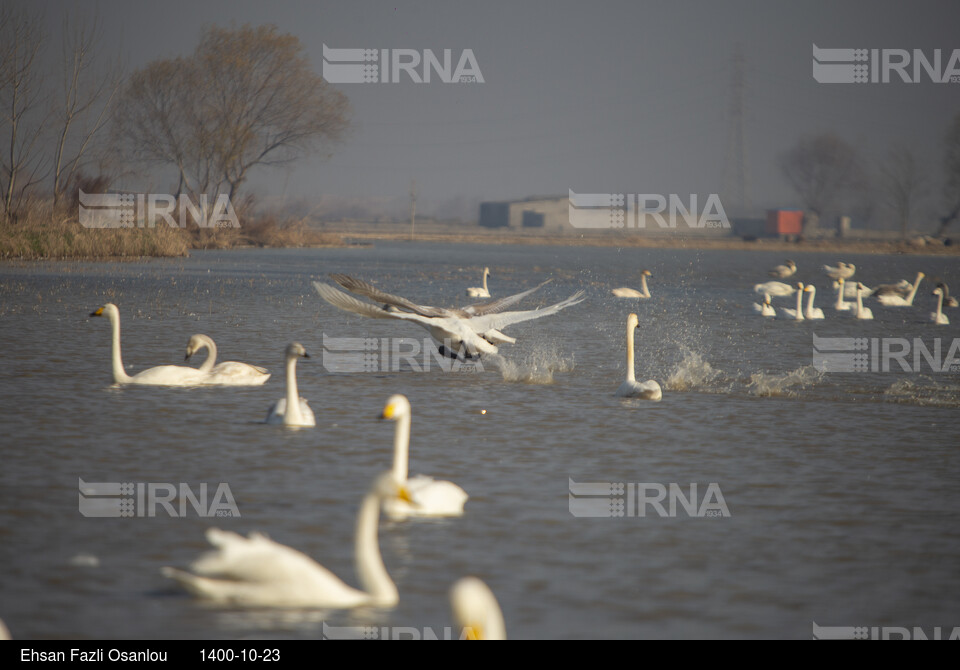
842, 488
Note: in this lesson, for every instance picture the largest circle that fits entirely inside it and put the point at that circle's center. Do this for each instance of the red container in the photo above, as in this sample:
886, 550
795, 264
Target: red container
784, 221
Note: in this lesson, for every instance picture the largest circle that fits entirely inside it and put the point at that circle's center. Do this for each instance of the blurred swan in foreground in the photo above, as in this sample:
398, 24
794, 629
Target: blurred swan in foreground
255, 571
631, 388
775, 288
939, 317
788, 269
163, 375
795, 314
897, 295
467, 332
292, 410
840, 271
860, 311
228, 373
427, 496
480, 292
644, 292
812, 312
765, 308
476, 610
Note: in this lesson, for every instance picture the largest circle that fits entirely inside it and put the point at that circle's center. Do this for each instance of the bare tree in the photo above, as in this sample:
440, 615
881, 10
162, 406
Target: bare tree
22, 120
903, 184
824, 170
951, 168
87, 96
245, 98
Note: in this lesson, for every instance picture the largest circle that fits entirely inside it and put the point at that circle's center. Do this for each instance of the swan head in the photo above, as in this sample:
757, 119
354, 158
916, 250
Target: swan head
937, 291
646, 273
296, 350
476, 609
791, 265
809, 288
766, 298
799, 285
109, 310
486, 271
386, 486
633, 321
196, 343
397, 406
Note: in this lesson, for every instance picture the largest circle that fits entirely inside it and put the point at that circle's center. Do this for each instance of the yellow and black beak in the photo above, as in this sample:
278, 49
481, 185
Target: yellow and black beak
99, 312
472, 632
403, 493
389, 411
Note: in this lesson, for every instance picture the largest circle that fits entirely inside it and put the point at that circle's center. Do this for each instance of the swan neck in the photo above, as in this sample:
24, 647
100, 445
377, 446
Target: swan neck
401, 448
799, 304
292, 414
813, 292
119, 374
840, 297
939, 306
207, 366
913, 291
631, 377
643, 285
485, 273
371, 573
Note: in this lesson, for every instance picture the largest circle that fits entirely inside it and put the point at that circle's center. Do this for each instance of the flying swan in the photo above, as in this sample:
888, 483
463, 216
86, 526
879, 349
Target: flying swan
163, 375
476, 610
228, 373
480, 292
292, 410
468, 332
255, 571
632, 292
428, 496
631, 388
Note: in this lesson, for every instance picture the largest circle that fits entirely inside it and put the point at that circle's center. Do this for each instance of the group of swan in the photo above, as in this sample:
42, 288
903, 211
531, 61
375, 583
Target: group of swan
229, 373
461, 333
644, 292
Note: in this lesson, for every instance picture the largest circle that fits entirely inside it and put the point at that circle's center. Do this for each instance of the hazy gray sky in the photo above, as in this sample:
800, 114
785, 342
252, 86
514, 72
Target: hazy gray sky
595, 97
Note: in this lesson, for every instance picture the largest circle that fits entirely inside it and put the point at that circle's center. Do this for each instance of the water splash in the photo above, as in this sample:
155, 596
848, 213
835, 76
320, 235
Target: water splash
924, 391
692, 373
537, 367
769, 384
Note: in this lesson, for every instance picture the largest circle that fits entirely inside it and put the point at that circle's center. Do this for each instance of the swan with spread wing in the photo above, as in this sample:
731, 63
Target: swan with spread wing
468, 331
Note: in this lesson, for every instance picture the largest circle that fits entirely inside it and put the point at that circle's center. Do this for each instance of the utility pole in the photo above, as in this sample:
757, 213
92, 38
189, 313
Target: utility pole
413, 208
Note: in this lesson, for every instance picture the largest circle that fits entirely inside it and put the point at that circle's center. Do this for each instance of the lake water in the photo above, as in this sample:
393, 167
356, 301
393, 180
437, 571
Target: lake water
842, 488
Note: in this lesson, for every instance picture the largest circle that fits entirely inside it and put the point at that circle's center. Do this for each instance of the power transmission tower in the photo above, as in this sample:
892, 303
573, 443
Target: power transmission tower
735, 177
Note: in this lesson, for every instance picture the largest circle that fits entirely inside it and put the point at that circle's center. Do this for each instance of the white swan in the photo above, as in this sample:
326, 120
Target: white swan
765, 309
775, 288
476, 610
841, 271
840, 305
812, 312
468, 332
861, 312
428, 496
255, 571
632, 292
895, 295
228, 373
631, 388
292, 410
795, 314
788, 269
850, 288
163, 375
480, 292
939, 317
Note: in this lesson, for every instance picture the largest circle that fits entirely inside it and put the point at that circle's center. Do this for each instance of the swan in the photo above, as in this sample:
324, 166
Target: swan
632, 292
466, 332
841, 271
897, 295
255, 571
850, 288
840, 305
939, 317
948, 300
631, 388
811, 311
480, 292
765, 309
861, 312
162, 375
795, 314
788, 269
228, 373
430, 497
476, 610
292, 410
775, 288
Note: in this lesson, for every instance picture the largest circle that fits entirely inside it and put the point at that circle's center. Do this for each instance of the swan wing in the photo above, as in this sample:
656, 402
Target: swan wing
487, 322
368, 290
431, 497
500, 304
233, 373
648, 390
169, 375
